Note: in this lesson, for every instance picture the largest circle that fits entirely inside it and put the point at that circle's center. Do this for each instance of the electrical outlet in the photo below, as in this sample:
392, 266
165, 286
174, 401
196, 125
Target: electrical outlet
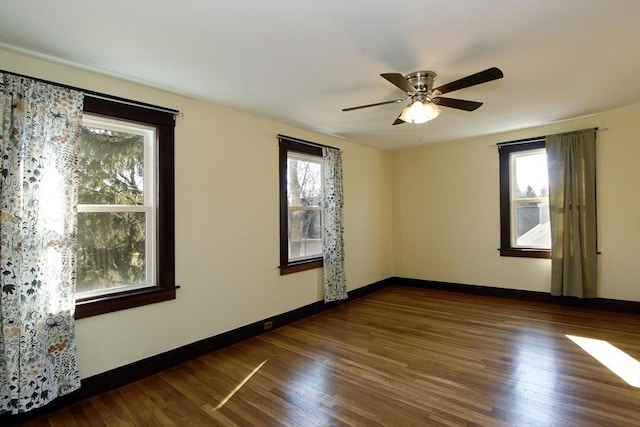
268, 325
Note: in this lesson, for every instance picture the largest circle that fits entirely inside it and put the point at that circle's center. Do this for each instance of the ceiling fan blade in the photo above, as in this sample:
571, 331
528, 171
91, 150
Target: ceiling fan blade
460, 104
472, 80
400, 82
374, 105
398, 121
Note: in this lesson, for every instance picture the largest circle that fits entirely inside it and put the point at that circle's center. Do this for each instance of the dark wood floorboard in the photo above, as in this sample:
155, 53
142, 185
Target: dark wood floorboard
398, 357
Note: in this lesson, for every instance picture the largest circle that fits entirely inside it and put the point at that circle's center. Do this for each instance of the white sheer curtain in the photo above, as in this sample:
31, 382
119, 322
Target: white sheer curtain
335, 282
40, 127
571, 162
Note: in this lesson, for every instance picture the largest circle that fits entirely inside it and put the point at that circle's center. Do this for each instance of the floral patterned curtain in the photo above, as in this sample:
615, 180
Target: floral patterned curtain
40, 128
335, 282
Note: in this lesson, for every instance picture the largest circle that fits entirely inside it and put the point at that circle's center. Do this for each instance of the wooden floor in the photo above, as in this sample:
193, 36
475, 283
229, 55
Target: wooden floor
398, 357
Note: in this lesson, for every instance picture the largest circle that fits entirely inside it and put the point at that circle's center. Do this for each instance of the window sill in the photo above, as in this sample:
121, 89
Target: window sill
93, 306
301, 266
526, 253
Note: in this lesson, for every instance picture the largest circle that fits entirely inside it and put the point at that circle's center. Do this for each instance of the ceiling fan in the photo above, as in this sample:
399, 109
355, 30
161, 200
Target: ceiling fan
425, 99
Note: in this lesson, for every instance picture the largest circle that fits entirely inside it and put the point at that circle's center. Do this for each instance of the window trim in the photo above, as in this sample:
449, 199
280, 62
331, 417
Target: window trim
505, 150
165, 289
286, 145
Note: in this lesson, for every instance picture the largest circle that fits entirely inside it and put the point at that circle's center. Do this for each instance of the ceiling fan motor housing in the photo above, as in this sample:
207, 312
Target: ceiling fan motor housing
422, 80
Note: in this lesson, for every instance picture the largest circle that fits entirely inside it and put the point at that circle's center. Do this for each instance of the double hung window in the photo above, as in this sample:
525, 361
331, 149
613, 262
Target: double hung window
301, 210
125, 208
116, 205
524, 199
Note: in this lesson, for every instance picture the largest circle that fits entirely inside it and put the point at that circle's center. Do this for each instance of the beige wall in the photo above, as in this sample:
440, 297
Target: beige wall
439, 202
227, 242
446, 210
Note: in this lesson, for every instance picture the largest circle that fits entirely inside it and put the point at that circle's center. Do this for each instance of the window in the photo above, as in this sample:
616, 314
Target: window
116, 205
300, 206
524, 199
125, 208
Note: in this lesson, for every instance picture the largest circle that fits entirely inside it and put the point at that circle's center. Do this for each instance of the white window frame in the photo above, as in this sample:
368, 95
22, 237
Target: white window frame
309, 158
149, 205
516, 201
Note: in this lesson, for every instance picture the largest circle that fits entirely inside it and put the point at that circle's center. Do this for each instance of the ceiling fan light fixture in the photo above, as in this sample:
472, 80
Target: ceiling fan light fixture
420, 112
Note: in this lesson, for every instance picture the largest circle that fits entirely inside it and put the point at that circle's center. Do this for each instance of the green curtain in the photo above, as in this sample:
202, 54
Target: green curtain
39, 138
571, 160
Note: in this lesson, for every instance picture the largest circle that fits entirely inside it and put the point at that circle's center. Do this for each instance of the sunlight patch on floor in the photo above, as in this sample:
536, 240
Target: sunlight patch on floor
618, 362
239, 386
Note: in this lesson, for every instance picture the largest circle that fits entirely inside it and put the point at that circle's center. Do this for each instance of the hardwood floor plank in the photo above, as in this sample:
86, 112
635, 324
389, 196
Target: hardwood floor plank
86, 415
400, 356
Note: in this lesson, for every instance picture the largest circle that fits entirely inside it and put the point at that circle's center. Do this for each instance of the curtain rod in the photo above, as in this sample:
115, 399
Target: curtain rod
302, 141
98, 95
538, 138
519, 141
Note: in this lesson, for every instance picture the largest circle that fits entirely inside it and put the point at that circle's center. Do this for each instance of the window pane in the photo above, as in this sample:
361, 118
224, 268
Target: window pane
532, 225
531, 175
305, 234
304, 184
111, 250
111, 167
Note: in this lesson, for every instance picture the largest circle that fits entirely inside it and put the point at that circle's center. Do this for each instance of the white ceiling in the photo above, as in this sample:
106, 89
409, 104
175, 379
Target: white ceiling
301, 61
